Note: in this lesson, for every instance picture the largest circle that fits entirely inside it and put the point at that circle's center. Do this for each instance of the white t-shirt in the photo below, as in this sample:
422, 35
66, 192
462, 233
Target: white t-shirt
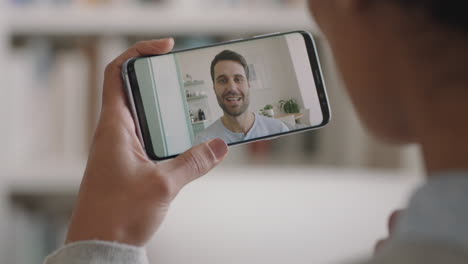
263, 126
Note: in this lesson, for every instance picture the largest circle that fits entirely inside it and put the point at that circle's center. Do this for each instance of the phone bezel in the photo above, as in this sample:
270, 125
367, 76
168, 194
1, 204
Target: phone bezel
137, 107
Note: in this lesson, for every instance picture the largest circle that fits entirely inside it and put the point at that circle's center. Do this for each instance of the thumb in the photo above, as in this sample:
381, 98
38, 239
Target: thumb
195, 163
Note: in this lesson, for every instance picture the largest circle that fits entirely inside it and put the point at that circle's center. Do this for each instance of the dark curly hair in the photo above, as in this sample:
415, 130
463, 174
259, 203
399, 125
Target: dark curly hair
451, 13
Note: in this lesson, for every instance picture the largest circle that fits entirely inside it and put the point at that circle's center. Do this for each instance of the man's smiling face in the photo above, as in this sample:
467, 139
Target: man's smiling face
231, 87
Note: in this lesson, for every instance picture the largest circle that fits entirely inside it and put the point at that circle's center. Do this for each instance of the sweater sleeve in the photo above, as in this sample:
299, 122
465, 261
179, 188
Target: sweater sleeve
87, 252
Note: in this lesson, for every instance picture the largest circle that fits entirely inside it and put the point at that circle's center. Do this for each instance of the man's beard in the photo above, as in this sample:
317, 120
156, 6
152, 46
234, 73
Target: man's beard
238, 111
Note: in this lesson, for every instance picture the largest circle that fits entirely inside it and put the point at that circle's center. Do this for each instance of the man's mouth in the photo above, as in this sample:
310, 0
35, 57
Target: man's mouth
233, 99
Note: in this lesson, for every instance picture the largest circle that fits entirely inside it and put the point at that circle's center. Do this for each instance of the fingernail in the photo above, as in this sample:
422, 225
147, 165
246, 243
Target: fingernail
171, 40
218, 147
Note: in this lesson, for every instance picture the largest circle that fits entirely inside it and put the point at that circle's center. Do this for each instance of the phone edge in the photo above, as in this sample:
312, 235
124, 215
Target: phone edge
131, 102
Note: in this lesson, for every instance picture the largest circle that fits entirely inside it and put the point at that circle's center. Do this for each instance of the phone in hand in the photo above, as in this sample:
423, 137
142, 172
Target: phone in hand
240, 91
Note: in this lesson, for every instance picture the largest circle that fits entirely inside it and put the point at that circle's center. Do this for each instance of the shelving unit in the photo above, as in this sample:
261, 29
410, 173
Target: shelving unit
154, 20
108, 24
192, 98
195, 83
197, 102
108, 30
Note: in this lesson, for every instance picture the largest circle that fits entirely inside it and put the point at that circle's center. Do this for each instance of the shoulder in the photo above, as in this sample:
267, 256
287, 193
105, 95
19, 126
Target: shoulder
419, 252
211, 132
265, 119
271, 123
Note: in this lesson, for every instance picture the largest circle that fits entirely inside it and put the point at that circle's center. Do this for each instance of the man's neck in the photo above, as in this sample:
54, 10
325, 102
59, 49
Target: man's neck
239, 124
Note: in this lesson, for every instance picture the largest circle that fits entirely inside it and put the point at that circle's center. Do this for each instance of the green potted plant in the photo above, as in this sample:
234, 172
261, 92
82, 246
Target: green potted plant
268, 111
289, 106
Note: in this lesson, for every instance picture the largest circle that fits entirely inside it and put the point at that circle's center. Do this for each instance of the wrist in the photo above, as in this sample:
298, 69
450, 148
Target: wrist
91, 225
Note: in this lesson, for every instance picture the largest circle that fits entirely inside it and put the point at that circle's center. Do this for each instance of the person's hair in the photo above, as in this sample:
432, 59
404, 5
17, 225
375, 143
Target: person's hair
228, 55
451, 13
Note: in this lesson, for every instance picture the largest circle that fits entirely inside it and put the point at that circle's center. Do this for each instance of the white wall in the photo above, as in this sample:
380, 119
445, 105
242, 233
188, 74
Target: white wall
171, 104
5, 130
273, 60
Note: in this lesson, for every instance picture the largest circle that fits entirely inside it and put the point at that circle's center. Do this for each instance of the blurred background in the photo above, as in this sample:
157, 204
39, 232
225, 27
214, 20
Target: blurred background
316, 197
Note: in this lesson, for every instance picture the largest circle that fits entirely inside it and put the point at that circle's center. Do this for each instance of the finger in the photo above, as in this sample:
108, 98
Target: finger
393, 219
379, 245
113, 85
144, 48
195, 163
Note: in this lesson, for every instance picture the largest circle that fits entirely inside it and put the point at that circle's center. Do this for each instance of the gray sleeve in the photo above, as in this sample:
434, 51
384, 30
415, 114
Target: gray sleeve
437, 212
434, 228
101, 252
199, 139
419, 253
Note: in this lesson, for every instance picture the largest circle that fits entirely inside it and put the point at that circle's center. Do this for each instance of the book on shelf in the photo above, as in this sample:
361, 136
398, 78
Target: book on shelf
28, 134
49, 103
69, 81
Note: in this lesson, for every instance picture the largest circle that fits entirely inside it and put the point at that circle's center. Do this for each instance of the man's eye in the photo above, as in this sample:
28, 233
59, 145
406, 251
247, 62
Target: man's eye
239, 80
222, 81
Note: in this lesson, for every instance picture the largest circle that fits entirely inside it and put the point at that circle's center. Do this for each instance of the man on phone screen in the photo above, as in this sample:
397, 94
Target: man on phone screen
230, 75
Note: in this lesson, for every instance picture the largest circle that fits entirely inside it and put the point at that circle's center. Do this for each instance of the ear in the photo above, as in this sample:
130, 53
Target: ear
322, 9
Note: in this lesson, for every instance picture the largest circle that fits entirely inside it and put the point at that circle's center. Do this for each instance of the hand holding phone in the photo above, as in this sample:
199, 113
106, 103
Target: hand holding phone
240, 91
124, 196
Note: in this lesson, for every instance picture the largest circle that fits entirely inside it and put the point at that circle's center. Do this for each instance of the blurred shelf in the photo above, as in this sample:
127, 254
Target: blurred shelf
154, 20
51, 175
193, 98
194, 83
199, 122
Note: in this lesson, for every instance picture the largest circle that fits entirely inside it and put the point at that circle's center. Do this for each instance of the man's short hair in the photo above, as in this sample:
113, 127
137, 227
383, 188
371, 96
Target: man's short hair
451, 13
229, 55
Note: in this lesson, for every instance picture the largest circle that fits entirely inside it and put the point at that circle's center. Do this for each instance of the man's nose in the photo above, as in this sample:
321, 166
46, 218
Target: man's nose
232, 85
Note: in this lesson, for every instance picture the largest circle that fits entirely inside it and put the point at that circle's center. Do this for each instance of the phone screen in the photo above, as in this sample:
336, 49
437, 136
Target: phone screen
239, 92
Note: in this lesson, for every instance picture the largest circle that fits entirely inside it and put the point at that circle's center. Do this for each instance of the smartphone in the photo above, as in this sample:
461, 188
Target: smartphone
240, 91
